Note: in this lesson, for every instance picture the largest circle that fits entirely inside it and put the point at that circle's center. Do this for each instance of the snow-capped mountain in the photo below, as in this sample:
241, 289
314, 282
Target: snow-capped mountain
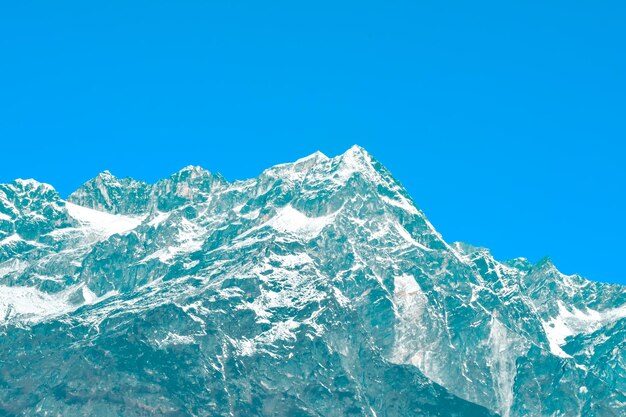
315, 289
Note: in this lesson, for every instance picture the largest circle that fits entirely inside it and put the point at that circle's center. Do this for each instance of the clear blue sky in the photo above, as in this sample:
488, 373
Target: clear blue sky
505, 120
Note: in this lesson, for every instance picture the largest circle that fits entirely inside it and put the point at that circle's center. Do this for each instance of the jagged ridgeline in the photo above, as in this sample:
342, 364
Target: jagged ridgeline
315, 289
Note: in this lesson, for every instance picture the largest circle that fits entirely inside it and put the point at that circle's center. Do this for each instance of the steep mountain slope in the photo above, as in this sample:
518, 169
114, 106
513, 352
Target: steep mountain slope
318, 288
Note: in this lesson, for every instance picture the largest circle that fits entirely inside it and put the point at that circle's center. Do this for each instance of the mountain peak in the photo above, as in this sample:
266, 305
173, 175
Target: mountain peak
520, 263
193, 168
190, 173
28, 209
468, 249
32, 184
545, 264
315, 156
106, 192
356, 156
105, 175
357, 150
354, 159
193, 172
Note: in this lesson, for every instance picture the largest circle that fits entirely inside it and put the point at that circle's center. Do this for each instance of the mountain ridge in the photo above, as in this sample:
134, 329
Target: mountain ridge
312, 157
290, 251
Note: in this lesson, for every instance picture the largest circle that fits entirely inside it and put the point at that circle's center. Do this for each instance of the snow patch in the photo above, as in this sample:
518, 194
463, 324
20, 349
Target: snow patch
290, 220
573, 322
174, 339
104, 224
158, 219
89, 296
292, 260
14, 238
341, 299
251, 215
29, 304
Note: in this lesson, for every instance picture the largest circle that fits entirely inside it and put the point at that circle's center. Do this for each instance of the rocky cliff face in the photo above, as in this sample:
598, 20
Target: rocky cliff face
318, 288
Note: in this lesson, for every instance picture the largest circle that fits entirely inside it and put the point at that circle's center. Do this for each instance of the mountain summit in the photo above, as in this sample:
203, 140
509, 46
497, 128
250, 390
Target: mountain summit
317, 288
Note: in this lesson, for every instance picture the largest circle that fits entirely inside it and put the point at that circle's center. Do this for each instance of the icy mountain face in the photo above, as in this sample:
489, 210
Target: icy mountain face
29, 209
318, 288
107, 193
114, 195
